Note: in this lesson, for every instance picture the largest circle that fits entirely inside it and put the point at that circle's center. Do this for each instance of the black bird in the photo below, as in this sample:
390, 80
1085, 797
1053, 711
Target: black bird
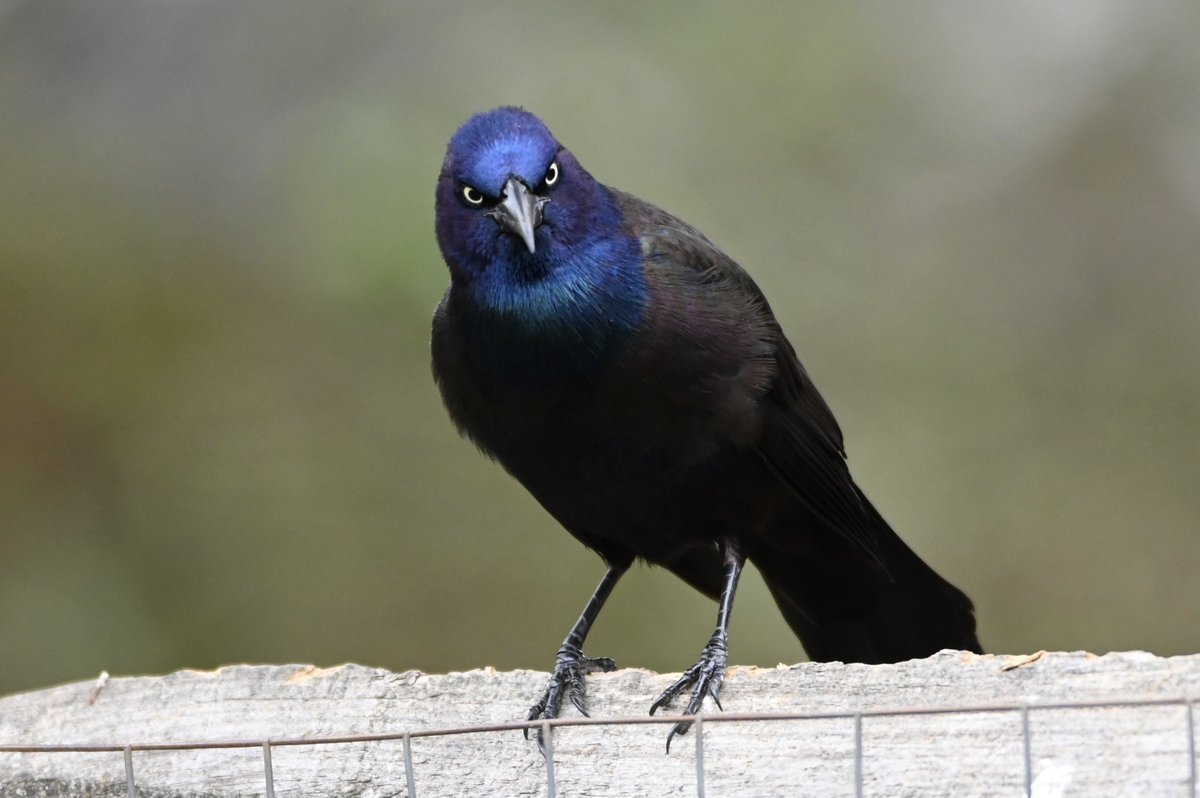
634, 379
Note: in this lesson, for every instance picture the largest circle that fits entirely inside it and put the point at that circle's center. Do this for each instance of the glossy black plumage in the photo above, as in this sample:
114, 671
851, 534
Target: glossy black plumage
634, 379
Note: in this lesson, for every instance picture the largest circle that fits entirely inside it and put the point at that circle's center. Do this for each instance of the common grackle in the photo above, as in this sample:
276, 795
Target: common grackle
634, 379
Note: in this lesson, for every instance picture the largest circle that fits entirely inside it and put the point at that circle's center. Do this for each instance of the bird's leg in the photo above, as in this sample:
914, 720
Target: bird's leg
706, 676
570, 665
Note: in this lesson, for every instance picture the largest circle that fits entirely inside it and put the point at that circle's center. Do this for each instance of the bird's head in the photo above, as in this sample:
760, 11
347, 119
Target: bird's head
510, 195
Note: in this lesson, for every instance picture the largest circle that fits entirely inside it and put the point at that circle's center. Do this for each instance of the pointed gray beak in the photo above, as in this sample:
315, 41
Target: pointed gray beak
519, 212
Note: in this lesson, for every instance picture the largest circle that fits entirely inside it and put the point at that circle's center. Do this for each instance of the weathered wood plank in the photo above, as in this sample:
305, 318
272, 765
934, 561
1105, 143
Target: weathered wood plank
1124, 751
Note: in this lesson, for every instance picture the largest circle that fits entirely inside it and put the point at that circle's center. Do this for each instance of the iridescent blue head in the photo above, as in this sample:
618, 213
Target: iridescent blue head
509, 194
536, 247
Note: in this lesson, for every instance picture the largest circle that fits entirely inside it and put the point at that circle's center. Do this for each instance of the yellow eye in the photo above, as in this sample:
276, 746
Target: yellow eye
551, 175
472, 195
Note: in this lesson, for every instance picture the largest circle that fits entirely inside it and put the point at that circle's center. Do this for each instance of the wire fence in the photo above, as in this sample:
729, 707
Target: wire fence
698, 722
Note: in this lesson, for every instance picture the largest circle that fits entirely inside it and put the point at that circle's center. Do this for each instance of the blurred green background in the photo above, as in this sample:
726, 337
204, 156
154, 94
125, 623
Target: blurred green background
219, 439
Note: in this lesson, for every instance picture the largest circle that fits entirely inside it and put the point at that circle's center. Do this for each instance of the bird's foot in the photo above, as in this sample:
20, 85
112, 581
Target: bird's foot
705, 678
570, 666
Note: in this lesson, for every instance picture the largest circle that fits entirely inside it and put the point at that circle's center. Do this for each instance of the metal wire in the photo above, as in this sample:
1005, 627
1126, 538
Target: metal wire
547, 728
409, 779
129, 784
548, 751
1028, 746
633, 720
1191, 733
268, 770
858, 756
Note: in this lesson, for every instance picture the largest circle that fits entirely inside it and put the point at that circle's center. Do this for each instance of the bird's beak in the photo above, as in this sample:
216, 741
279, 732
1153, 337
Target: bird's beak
519, 212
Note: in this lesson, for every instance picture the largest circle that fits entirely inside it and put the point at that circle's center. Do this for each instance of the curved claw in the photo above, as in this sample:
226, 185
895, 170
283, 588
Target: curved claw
705, 677
570, 666
678, 728
674, 690
535, 712
600, 664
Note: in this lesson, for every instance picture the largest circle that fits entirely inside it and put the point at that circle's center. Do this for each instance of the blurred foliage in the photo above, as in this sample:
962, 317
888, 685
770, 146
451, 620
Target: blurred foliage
219, 440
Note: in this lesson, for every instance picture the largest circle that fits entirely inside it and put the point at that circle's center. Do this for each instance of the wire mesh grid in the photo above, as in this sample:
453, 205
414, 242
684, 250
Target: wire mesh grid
698, 722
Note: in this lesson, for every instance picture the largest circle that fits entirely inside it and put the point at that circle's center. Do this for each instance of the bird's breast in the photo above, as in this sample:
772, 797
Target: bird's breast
563, 327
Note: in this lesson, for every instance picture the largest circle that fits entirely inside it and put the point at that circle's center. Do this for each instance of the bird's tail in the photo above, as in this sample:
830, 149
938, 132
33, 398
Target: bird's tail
844, 606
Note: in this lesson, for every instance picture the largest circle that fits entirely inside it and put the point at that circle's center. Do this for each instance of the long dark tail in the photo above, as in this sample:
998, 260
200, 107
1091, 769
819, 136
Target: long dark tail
844, 607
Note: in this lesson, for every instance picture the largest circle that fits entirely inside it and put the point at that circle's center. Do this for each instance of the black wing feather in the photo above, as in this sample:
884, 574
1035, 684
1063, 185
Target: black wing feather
800, 440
